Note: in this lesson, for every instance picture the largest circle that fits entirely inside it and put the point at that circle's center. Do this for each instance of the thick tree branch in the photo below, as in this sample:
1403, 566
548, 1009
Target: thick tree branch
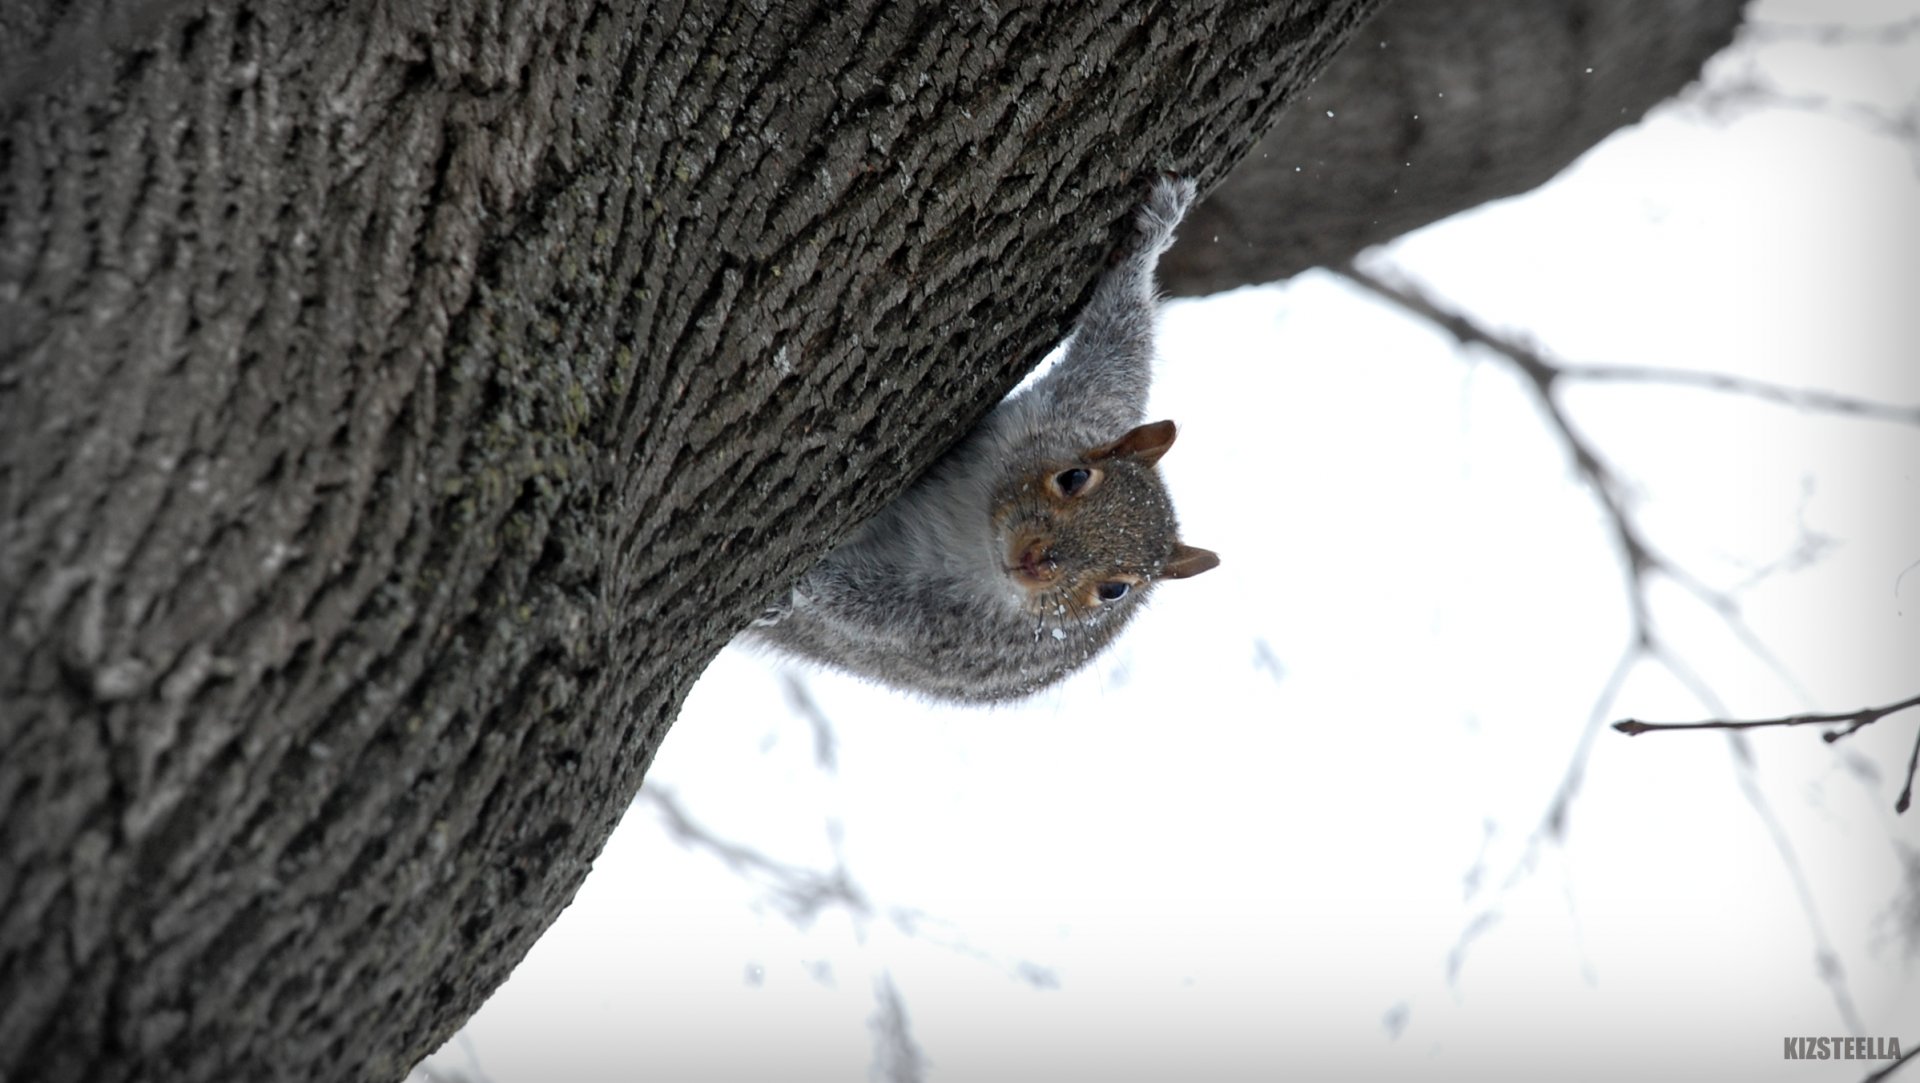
1440, 106
401, 403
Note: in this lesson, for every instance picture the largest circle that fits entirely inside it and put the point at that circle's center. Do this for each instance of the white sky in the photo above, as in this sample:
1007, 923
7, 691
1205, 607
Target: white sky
1251, 842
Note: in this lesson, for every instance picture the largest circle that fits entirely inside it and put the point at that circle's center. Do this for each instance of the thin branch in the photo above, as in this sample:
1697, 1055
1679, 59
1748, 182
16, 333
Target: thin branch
801, 702
1542, 375
1754, 92
1609, 489
1265, 659
1900, 920
800, 893
1640, 560
1552, 828
1853, 720
1895, 32
1902, 576
897, 1058
944, 933
1827, 966
1639, 555
1882, 1073
1800, 398
1906, 792
1637, 559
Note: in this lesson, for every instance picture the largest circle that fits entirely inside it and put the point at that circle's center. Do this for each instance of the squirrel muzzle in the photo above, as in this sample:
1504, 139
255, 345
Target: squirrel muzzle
1033, 563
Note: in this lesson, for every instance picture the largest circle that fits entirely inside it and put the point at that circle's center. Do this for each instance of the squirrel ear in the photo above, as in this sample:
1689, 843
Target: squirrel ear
1146, 443
1188, 561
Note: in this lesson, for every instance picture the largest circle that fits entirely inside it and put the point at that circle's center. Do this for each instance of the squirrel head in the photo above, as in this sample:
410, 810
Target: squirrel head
1088, 534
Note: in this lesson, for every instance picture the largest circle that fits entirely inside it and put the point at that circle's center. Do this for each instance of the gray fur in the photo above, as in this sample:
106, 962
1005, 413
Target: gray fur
920, 597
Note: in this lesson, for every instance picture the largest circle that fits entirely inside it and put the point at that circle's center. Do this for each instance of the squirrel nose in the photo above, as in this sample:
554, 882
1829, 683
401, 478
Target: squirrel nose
1035, 562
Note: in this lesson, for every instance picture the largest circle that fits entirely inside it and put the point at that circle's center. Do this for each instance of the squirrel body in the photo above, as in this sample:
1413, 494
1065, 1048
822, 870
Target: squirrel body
1022, 551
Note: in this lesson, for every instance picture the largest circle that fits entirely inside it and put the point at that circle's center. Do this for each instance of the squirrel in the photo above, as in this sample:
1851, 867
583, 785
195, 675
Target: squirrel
1020, 554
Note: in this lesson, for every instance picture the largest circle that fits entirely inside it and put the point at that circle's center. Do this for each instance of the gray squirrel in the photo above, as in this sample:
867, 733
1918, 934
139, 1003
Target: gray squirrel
1020, 553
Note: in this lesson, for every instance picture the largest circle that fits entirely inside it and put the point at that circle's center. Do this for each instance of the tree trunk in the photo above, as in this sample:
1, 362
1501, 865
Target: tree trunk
1439, 106
401, 403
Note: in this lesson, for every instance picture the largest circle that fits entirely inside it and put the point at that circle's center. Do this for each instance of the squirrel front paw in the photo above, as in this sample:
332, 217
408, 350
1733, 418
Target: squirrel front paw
1167, 202
775, 612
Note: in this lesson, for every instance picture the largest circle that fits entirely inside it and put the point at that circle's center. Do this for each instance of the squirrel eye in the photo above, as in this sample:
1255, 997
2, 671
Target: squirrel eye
1113, 592
1072, 481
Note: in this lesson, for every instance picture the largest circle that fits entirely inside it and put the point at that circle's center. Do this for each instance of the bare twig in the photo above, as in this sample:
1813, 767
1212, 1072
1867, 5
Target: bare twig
1887, 1071
1751, 91
800, 700
801, 893
1854, 721
1827, 965
1800, 398
1900, 921
943, 933
1640, 561
1553, 825
896, 1056
1637, 553
1905, 800
1607, 486
798, 892
1850, 723
1895, 32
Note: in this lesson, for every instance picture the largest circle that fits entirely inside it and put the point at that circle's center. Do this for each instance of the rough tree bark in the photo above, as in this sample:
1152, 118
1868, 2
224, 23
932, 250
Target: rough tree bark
401, 402
1439, 106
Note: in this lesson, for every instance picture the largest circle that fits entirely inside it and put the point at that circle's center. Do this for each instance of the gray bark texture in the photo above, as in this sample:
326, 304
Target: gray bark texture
1435, 107
401, 402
